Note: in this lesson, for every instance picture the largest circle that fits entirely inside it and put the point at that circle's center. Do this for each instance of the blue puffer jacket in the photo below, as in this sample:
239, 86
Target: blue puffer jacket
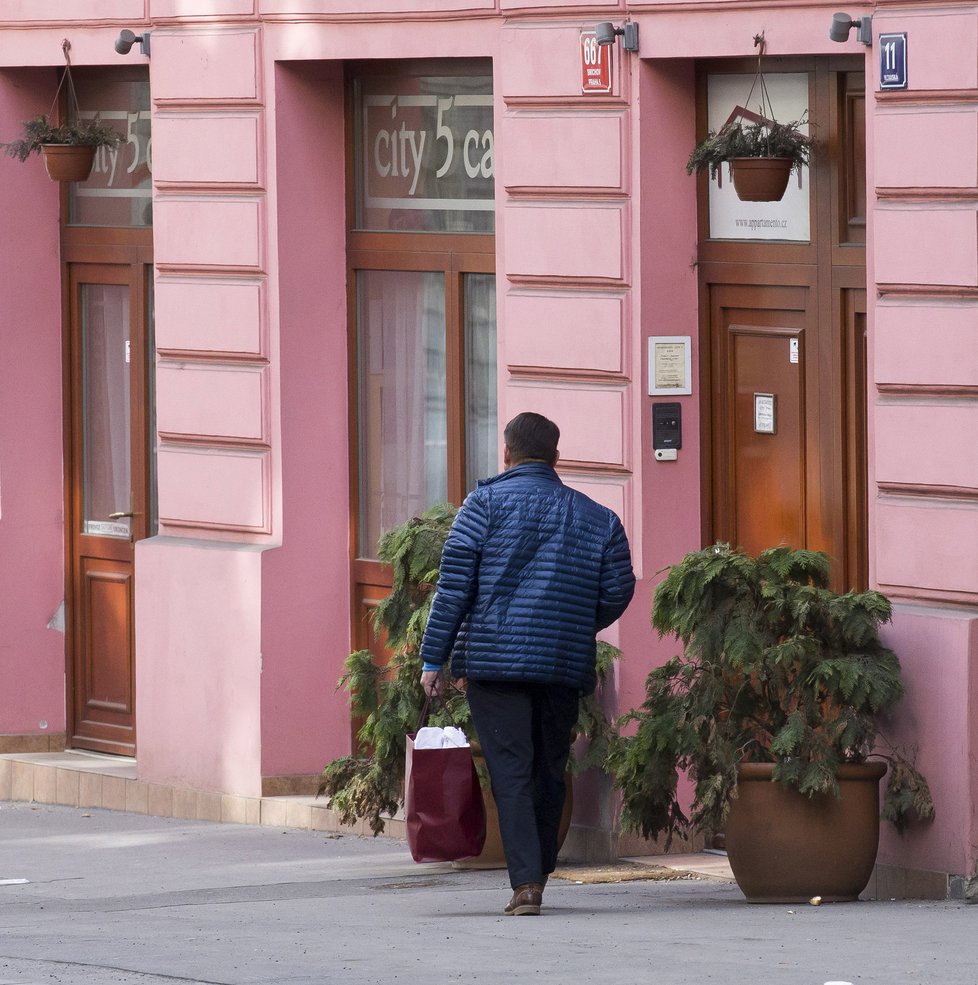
531, 570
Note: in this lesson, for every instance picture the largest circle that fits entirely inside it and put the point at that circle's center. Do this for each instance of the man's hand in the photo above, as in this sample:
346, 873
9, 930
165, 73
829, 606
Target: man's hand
431, 681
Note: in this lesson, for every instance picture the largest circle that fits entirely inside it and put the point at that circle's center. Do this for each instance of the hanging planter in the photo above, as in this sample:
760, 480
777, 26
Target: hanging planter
68, 148
760, 179
68, 162
760, 152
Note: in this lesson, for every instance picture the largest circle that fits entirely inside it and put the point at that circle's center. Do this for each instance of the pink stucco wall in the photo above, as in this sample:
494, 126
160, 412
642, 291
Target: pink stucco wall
306, 582
31, 486
198, 665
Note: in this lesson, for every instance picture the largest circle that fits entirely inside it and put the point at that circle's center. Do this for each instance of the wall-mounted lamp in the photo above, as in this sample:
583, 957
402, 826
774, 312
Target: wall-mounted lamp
606, 33
842, 24
127, 39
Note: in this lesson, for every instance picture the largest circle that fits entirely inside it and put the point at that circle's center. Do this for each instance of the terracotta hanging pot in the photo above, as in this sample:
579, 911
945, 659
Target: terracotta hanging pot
68, 162
760, 179
787, 847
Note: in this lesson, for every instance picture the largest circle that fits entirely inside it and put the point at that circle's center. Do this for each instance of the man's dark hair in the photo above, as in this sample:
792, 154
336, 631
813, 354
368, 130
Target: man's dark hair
531, 435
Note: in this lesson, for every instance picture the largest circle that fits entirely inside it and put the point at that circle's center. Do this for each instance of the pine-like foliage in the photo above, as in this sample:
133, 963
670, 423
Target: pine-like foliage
776, 668
740, 139
38, 132
388, 699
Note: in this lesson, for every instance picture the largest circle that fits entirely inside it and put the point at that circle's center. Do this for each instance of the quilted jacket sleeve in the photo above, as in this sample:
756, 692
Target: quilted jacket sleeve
457, 581
617, 577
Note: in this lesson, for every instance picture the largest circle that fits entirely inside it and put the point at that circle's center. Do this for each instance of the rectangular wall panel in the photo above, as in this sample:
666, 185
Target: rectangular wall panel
206, 149
14, 11
927, 344
220, 402
568, 241
562, 151
945, 246
934, 442
223, 490
210, 316
919, 545
208, 232
941, 46
198, 64
561, 332
916, 134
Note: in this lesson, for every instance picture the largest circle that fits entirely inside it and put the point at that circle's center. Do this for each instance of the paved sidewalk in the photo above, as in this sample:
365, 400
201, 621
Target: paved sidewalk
136, 900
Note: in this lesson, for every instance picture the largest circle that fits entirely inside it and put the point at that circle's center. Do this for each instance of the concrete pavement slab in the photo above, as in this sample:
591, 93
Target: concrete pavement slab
137, 900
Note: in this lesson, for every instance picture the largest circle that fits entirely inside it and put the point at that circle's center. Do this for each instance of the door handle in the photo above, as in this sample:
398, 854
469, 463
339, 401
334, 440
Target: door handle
120, 516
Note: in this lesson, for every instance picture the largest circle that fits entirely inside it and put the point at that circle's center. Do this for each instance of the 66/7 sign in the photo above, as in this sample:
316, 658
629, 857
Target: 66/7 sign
595, 64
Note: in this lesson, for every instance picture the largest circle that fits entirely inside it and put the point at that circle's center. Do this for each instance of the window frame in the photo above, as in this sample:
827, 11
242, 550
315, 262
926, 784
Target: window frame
455, 254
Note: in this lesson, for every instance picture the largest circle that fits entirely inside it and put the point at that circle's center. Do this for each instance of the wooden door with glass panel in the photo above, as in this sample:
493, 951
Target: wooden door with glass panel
107, 495
783, 304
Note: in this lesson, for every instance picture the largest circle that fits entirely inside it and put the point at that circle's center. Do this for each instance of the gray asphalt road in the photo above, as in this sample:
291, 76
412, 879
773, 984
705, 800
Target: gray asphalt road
123, 898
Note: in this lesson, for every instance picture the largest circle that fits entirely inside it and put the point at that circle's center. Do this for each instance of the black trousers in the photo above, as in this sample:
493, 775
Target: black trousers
525, 733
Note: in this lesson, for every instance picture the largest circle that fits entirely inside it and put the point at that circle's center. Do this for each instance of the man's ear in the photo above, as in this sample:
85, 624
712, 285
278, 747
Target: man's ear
507, 457
556, 458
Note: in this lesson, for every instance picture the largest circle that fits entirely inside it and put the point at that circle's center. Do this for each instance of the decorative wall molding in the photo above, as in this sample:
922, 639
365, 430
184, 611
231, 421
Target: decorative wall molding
935, 195
916, 490
936, 291
927, 390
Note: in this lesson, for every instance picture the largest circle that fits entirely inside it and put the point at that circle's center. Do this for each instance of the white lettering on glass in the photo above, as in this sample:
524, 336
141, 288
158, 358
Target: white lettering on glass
406, 146
443, 132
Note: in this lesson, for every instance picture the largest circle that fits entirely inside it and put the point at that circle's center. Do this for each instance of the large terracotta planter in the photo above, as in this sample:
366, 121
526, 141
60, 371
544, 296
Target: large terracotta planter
68, 162
785, 847
760, 179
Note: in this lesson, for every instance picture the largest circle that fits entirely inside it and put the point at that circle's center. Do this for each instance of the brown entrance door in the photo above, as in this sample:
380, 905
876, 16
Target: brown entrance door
107, 501
784, 345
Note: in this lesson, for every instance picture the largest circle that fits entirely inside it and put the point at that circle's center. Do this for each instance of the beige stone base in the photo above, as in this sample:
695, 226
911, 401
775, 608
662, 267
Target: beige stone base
893, 882
79, 779
33, 742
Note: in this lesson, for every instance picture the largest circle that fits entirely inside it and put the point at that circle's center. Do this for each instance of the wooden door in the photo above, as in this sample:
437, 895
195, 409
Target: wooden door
784, 355
107, 493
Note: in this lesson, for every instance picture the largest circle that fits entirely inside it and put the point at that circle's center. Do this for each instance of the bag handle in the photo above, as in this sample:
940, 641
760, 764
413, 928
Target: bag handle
437, 697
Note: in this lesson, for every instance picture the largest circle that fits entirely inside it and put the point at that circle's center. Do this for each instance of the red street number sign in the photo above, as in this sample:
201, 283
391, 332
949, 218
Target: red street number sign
595, 64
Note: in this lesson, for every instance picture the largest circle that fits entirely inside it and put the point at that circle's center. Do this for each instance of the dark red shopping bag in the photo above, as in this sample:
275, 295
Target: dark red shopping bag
443, 805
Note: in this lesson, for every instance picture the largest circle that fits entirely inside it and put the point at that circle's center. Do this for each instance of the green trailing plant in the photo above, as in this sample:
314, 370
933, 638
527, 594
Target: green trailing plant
387, 699
740, 139
39, 131
777, 668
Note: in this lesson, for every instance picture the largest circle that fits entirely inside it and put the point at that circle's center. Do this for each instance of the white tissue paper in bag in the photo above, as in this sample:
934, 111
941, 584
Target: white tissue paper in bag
433, 737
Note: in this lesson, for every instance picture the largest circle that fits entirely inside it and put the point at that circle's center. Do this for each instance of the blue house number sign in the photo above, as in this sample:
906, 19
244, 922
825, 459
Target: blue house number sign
893, 61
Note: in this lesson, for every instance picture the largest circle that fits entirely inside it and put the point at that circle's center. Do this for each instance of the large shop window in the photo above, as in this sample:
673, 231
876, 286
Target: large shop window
422, 267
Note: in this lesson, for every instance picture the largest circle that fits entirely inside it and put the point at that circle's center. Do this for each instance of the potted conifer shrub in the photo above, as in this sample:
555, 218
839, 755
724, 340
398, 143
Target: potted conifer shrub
774, 711
386, 698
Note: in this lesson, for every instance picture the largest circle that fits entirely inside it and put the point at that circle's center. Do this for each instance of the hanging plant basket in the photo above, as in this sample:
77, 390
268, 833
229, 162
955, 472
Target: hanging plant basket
68, 162
760, 179
760, 151
68, 147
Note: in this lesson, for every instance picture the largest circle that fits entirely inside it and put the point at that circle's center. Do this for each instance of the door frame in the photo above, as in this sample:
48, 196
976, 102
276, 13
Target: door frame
837, 249
122, 248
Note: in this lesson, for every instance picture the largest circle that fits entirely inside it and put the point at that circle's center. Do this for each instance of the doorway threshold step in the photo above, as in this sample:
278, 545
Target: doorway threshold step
93, 780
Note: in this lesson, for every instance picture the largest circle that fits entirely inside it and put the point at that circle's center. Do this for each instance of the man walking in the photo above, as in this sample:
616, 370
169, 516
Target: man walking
531, 571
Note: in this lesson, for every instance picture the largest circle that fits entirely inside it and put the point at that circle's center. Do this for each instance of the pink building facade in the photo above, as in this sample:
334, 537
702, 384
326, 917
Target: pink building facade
193, 605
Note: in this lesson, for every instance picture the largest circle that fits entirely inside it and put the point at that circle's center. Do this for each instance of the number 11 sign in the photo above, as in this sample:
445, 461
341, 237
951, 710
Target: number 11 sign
893, 61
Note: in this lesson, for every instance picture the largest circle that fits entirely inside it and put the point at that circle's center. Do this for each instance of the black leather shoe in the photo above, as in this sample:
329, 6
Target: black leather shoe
526, 900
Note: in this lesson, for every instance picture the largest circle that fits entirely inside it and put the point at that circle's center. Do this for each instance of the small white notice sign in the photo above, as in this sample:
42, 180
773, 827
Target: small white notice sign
764, 414
670, 364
